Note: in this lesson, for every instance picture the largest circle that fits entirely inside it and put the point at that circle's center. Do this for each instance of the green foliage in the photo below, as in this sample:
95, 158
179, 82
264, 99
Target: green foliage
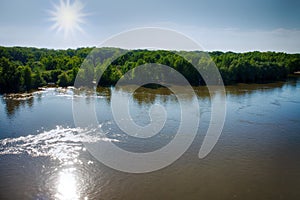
63, 79
54, 75
22, 68
27, 74
38, 80
10, 76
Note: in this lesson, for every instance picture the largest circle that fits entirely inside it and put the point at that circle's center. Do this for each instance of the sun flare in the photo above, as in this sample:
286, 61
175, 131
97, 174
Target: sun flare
67, 16
66, 187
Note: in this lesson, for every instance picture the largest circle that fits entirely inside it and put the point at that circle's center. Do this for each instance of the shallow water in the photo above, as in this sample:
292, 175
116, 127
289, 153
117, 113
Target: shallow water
256, 157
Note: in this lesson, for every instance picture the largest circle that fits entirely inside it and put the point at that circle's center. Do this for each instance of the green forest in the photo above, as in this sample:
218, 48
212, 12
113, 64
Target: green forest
23, 68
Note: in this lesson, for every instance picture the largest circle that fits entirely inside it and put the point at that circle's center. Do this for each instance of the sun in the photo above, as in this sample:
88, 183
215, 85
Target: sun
67, 16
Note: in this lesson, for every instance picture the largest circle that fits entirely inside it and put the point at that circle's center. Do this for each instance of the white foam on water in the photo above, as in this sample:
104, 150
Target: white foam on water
64, 144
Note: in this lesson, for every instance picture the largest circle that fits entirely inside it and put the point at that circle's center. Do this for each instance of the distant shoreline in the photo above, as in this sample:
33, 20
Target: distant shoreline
24, 69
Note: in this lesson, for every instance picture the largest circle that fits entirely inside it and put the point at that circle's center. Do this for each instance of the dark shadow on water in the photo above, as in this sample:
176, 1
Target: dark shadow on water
13, 102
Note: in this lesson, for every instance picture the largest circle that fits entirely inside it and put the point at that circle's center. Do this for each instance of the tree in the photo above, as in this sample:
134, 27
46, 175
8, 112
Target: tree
27, 74
23, 68
63, 79
10, 76
38, 80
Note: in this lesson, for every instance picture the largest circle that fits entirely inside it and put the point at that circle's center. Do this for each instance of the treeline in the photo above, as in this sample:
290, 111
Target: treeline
23, 69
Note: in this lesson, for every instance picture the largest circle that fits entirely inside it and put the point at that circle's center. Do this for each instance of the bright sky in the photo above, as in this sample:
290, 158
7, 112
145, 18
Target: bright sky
226, 25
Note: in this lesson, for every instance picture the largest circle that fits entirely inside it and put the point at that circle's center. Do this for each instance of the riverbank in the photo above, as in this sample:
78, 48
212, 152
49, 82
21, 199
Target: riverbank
23, 69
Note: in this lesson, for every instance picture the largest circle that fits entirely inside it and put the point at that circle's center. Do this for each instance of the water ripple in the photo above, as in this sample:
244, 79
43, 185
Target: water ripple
64, 144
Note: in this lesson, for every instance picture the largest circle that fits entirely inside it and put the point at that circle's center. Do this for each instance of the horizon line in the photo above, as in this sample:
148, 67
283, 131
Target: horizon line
150, 49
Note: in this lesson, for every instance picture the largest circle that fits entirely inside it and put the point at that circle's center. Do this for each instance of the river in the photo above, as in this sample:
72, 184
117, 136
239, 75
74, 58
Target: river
256, 156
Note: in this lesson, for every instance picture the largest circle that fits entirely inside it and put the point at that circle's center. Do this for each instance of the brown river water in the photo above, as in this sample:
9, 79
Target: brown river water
256, 157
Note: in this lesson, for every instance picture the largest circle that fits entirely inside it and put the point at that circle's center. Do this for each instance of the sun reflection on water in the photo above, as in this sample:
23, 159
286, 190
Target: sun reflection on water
67, 185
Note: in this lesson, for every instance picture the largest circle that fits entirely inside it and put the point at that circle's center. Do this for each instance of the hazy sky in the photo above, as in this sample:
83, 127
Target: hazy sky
227, 25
